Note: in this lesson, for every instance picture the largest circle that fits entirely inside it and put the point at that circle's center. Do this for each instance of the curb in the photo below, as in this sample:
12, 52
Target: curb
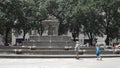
55, 56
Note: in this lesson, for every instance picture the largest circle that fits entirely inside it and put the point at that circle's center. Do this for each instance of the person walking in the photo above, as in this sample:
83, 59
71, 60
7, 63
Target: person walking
77, 48
98, 51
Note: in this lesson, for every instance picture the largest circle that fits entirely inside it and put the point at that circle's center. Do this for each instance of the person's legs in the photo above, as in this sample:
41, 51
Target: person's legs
77, 53
100, 57
97, 56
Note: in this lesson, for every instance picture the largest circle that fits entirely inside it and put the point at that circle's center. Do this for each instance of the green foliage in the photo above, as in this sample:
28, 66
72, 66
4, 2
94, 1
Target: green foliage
77, 16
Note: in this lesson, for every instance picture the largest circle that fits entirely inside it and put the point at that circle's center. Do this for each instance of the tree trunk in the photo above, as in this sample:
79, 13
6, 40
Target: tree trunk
6, 37
59, 28
42, 29
73, 36
24, 33
91, 41
90, 36
107, 40
108, 19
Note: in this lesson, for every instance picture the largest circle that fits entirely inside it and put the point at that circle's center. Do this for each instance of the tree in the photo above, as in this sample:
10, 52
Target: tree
32, 15
39, 14
2, 15
92, 16
7, 19
59, 9
108, 8
24, 20
72, 14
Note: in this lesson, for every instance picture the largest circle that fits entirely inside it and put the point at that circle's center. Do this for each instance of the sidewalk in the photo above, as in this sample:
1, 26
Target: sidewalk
59, 63
55, 56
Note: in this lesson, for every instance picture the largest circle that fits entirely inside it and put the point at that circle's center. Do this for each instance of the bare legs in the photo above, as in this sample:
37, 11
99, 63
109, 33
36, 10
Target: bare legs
99, 58
77, 55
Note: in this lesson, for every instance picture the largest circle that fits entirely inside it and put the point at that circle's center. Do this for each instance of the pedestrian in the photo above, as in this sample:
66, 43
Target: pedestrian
77, 48
98, 51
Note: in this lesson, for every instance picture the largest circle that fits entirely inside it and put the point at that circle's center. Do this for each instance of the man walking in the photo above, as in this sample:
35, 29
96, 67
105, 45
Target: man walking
77, 48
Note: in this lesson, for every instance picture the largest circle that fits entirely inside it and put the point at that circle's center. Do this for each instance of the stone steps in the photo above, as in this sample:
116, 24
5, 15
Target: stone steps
50, 52
49, 45
37, 48
50, 38
54, 44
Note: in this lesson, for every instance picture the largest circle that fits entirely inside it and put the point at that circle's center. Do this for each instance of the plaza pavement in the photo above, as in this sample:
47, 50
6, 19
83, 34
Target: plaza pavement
59, 63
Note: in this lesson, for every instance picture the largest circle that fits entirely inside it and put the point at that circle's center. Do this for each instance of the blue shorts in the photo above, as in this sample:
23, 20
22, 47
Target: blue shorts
98, 54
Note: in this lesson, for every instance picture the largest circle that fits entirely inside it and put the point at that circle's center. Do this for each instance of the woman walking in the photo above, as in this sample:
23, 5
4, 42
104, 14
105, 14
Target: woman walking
98, 52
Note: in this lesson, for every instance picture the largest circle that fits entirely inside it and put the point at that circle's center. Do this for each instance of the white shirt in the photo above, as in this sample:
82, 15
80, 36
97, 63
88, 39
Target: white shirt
77, 46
